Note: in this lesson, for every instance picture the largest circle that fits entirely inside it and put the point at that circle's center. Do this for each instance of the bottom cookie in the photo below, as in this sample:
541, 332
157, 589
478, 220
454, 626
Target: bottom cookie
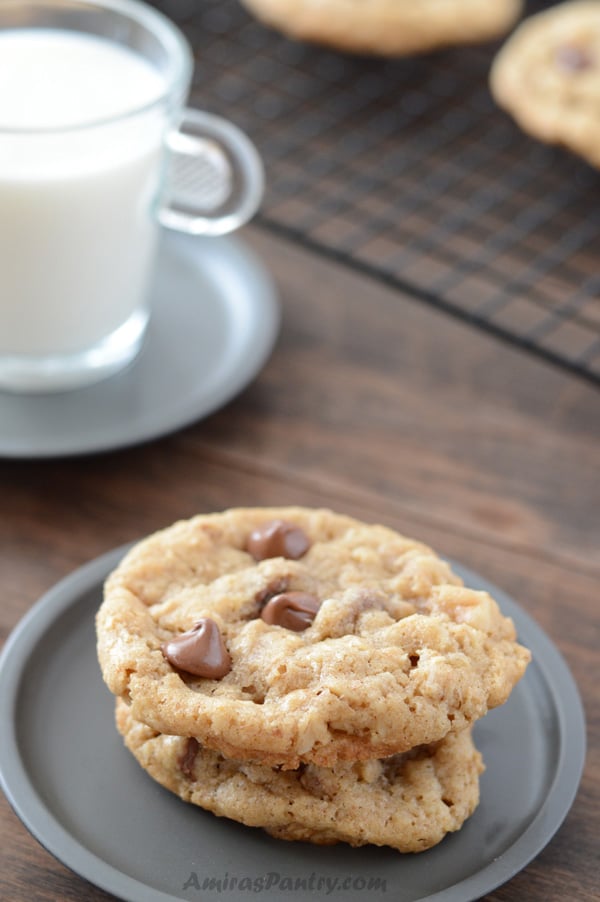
409, 801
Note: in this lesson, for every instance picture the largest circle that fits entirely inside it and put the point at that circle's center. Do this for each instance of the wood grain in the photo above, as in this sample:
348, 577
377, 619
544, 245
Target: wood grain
381, 407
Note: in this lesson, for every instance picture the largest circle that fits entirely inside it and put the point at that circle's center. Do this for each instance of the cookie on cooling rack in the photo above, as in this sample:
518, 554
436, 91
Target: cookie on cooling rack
284, 635
388, 27
409, 802
547, 76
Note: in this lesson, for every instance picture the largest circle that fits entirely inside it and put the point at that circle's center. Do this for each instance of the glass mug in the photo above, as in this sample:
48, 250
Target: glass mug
95, 157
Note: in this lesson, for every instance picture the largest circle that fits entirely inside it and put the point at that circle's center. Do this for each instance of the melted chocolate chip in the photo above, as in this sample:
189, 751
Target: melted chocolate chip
574, 58
278, 538
201, 651
292, 610
276, 587
188, 759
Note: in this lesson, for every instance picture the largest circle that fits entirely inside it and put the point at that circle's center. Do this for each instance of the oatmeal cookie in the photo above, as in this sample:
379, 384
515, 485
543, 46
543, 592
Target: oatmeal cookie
388, 27
547, 76
286, 635
409, 801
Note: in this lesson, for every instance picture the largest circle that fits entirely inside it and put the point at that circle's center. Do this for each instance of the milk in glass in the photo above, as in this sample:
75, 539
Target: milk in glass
79, 184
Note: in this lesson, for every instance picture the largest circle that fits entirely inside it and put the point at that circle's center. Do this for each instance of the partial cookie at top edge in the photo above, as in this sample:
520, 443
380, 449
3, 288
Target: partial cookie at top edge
409, 802
398, 654
547, 76
388, 27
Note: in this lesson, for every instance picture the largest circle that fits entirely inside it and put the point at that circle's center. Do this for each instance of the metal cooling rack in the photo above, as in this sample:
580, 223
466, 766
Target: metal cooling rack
408, 171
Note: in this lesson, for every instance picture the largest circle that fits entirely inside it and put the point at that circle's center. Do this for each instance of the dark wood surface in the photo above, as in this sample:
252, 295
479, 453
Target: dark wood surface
381, 407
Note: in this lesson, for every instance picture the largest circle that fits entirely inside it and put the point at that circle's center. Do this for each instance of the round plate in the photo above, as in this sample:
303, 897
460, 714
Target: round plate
214, 322
79, 791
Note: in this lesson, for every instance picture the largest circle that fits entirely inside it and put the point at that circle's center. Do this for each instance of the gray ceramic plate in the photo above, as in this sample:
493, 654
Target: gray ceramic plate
82, 795
214, 322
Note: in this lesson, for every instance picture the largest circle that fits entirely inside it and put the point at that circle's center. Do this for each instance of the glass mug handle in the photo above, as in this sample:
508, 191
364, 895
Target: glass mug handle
215, 178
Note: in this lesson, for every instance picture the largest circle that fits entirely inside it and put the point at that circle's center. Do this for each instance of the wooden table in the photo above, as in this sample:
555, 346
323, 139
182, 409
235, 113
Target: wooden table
381, 407
375, 402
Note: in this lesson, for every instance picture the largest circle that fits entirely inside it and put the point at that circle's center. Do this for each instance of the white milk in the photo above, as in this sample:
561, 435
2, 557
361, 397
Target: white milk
79, 203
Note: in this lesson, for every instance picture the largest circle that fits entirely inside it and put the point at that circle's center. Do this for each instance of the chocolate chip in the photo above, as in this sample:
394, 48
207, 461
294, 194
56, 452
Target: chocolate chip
201, 651
574, 58
275, 587
277, 538
188, 759
292, 610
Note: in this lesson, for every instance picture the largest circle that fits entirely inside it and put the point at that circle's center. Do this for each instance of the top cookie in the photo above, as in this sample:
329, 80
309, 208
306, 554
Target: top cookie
388, 27
548, 77
285, 634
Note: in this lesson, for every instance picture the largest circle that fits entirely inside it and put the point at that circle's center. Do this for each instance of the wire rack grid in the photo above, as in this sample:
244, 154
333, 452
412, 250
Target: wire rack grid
407, 170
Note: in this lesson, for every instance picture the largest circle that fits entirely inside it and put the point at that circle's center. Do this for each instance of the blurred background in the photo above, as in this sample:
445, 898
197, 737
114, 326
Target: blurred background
406, 169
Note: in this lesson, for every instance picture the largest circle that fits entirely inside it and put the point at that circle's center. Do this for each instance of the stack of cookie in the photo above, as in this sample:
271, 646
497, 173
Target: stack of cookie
303, 672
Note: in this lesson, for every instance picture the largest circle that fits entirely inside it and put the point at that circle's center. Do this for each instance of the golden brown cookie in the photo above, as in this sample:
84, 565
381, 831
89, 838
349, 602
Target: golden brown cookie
288, 635
547, 76
388, 27
409, 801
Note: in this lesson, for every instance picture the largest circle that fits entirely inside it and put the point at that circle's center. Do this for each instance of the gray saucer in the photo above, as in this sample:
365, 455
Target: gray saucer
215, 320
65, 771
